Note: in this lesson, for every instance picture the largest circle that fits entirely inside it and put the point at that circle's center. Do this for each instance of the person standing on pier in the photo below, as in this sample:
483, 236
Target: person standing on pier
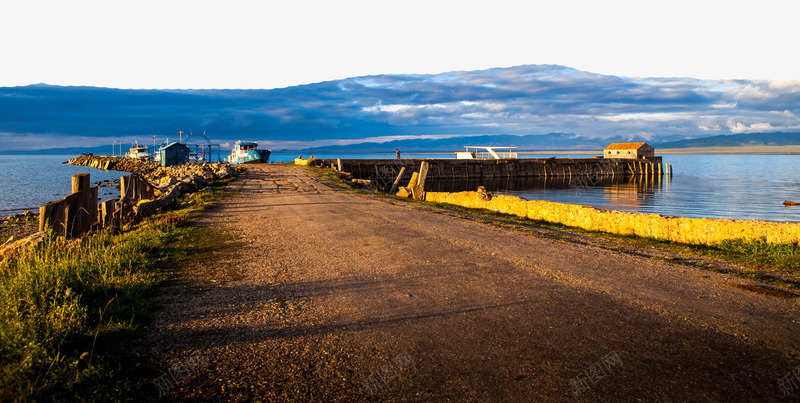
397, 152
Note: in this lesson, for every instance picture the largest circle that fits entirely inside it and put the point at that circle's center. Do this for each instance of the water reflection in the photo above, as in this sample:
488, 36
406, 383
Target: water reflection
527, 183
718, 186
632, 193
618, 192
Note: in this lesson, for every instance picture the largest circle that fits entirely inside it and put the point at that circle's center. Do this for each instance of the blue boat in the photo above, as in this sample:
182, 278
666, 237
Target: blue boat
247, 152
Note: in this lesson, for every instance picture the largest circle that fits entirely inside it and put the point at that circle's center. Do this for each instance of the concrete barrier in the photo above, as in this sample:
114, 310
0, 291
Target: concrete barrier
698, 231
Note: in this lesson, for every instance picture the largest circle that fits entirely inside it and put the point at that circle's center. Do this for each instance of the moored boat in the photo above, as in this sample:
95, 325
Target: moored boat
247, 152
138, 152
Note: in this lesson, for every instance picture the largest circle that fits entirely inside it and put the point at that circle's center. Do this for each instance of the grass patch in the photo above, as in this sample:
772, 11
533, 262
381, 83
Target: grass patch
70, 309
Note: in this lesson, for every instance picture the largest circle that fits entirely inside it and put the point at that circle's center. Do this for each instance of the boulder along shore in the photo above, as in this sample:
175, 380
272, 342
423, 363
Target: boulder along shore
170, 183
112, 163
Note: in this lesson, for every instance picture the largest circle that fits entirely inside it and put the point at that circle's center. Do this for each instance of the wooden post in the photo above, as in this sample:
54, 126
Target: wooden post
339, 163
72, 209
413, 182
423, 173
124, 182
93, 216
136, 191
419, 189
108, 208
80, 218
396, 184
48, 216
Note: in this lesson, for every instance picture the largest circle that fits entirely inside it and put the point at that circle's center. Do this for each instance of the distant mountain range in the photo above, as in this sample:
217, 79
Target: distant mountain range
544, 142
550, 142
737, 140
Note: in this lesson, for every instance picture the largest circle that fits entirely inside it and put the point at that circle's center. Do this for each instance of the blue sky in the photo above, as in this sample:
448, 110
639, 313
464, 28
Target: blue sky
273, 44
534, 99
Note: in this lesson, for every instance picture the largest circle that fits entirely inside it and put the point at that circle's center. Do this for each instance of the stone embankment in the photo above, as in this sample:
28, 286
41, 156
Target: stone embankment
172, 182
698, 231
141, 195
111, 163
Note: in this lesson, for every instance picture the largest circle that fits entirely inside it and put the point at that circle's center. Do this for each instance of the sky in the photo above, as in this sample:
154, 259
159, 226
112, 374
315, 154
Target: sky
521, 100
308, 73
274, 44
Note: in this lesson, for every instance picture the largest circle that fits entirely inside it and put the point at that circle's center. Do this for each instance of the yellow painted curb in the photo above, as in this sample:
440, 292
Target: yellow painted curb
698, 231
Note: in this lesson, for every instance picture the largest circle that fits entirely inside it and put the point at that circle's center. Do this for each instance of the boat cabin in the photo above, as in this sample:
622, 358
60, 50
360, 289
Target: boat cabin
486, 153
245, 145
138, 152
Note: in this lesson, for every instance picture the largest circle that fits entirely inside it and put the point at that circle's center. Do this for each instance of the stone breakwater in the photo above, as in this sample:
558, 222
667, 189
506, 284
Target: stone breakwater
141, 195
698, 231
170, 183
111, 163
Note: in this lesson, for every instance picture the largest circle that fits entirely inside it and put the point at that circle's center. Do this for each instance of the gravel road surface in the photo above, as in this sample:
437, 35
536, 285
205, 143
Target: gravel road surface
339, 296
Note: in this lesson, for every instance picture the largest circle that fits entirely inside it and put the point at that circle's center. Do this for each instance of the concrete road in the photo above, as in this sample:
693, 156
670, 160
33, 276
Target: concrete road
342, 297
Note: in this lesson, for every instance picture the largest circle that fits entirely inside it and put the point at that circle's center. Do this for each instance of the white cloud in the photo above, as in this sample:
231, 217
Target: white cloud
787, 113
739, 127
763, 90
785, 85
648, 117
450, 106
273, 144
707, 128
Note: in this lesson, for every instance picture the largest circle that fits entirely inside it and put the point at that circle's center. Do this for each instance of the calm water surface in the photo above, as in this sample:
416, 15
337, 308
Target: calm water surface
717, 186
27, 182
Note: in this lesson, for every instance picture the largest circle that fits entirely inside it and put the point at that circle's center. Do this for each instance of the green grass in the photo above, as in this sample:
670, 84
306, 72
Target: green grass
70, 309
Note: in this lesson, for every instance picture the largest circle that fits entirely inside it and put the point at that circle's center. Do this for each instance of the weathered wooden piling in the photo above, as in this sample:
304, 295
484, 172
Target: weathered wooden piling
108, 207
419, 189
396, 184
75, 214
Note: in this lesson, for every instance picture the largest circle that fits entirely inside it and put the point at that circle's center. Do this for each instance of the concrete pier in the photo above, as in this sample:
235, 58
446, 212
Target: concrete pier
386, 171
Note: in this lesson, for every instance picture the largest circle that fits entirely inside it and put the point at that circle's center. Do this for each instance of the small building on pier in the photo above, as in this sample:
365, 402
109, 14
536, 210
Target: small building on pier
629, 151
174, 154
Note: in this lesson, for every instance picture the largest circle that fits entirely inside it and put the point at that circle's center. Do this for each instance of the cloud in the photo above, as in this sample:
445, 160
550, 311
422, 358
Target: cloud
787, 113
517, 100
739, 127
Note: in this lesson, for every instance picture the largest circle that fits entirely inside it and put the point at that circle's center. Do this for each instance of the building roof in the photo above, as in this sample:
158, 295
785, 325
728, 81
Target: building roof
173, 144
625, 146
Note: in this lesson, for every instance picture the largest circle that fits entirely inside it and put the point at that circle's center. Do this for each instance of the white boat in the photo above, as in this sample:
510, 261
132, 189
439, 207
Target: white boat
247, 152
138, 152
486, 153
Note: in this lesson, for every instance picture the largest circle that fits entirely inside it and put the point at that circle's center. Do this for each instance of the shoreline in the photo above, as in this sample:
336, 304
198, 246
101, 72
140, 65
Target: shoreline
696, 231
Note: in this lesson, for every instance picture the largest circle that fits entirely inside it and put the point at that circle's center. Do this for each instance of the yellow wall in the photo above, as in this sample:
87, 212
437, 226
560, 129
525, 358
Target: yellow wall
700, 231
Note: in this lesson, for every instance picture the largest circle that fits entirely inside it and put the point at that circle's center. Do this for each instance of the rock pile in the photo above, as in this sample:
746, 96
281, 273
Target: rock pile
172, 182
166, 185
112, 163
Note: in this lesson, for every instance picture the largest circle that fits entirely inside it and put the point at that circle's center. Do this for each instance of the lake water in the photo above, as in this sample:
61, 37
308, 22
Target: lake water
27, 182
717, 186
